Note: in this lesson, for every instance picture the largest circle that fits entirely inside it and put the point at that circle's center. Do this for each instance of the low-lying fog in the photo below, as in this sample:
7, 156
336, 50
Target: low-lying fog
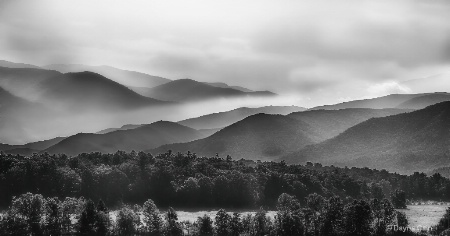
29, 126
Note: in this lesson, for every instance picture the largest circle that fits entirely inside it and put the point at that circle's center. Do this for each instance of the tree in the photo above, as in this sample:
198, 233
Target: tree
288, 203
53, 218
152, 219
127, 221
288, 220
205, 226
288, 223
172, 228
261, 223
331, 221
86, 223
398, 198
30, 207
102, 221
358, 218
222, 222
383, 215
236, 227
70, 206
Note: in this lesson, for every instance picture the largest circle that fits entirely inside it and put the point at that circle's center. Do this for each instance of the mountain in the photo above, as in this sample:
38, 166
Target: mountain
138, 139
9, 64
91, 90
191, 90
16, 117
71, 90
223, 119
25, 82
42, 145
257, 137
329, 123
29, 148
124, 127
403, 101
425, 100
415, 141
124, 77
224, 85
389, 101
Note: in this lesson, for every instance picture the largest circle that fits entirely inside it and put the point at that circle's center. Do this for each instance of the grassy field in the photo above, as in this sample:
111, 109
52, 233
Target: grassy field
424, 215
192, 216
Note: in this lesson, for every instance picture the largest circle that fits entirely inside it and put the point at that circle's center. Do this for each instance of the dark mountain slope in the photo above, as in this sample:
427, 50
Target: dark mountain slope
124, 77
223, 119
191, 90
138, 139
258, 137
41, 145
415, 141
329, 123
91, 90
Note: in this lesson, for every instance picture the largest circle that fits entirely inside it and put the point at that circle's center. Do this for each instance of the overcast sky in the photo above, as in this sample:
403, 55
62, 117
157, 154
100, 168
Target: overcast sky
313, 52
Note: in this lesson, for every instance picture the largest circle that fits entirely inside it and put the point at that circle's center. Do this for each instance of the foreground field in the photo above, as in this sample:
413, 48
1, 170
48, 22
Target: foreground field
192, 216
424, 216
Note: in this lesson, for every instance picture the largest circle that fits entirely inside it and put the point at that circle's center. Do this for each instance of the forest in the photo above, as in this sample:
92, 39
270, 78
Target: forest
47, 194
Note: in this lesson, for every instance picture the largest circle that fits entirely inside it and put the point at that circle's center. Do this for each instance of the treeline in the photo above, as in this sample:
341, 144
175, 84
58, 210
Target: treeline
185, 180
32, 214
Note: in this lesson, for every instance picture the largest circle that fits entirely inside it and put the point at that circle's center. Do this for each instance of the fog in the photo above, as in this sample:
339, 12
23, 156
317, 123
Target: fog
32, 125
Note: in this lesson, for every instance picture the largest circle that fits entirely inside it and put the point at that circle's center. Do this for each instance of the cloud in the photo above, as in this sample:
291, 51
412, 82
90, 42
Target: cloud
386, 88
324, 50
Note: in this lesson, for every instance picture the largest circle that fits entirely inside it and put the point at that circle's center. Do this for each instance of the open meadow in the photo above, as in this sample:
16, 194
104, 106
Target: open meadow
424, 216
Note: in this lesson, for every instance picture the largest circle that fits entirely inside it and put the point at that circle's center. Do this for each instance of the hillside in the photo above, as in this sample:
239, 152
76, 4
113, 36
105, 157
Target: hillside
138, 139
257, 137
425, 100
191, 90
223, 119
224, 85
329, 123
415, 141
124, 77
9, 64
124, 127
25, 82
17, 115
91, 90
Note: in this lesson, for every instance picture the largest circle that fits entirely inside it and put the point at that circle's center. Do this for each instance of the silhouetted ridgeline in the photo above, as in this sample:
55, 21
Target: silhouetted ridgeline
185, 180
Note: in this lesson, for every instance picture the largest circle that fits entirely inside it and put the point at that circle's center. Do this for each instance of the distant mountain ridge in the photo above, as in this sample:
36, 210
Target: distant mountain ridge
88, 89
415, 141
124, 77
257, 137
224, 85
268, 137
223, 119
138, 139
184, 90
329, 123
30, 148
404, 101
9, 64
